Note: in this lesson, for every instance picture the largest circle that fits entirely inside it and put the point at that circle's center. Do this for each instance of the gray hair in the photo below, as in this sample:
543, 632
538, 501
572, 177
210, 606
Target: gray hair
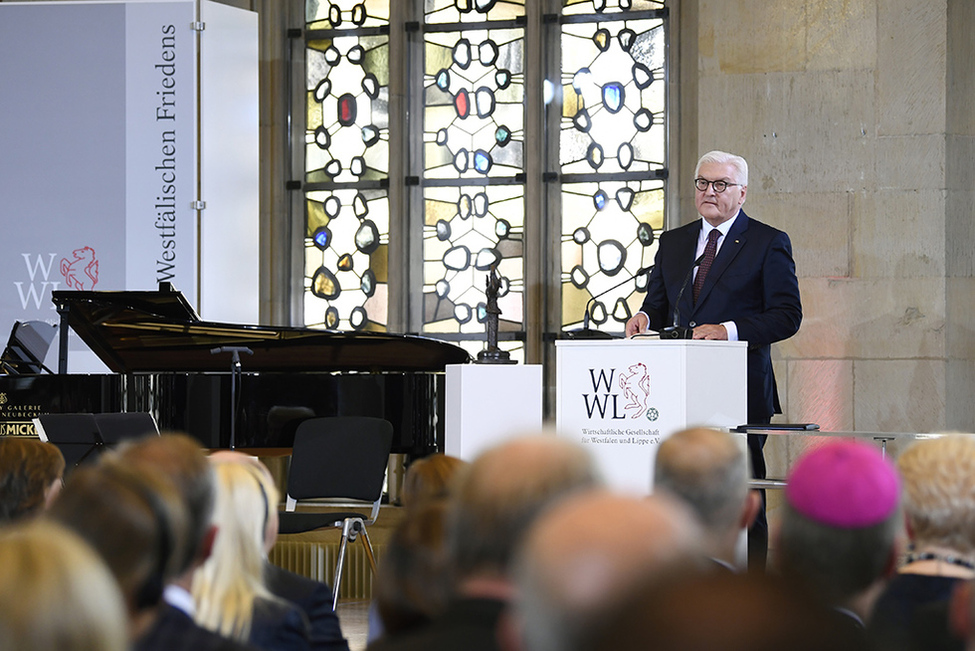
724, 158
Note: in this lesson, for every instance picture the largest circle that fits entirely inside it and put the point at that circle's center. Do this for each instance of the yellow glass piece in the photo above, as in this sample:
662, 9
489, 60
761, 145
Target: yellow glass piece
316, 217
345, 263
437, 58
323, 285
320, 44
572, 101
379, 263
313, 118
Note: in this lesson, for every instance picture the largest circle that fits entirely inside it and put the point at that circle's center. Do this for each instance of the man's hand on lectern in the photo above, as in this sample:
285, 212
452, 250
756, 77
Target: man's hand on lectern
711, 331
638, 323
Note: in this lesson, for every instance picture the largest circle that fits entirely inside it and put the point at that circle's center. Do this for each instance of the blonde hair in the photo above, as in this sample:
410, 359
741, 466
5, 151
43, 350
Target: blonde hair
228, 583
430, 478
939, 491
56, 594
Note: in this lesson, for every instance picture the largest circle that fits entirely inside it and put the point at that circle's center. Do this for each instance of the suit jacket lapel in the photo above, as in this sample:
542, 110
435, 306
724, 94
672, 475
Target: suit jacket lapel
730, 248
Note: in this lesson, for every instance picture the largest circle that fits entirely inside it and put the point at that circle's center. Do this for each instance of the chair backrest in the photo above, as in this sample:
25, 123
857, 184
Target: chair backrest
340, 457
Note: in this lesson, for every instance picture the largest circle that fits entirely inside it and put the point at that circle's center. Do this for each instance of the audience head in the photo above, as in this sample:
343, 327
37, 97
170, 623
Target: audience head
429, 478
939, 493
590, 549
412, 586
31, 472
267, 480
708, 470
134, 518
56, 593
841, 520
181, 458
227, 584
498, 496
731, 612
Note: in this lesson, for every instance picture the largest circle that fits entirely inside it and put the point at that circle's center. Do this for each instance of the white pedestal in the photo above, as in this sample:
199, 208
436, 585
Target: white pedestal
489, 403
621, 398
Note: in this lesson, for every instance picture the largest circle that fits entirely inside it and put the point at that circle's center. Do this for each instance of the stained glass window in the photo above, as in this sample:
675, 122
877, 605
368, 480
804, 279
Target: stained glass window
473, 132
346, 164
612, 156
467, 74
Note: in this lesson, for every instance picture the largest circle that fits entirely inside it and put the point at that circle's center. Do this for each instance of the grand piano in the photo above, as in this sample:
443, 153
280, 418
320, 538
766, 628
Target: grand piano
183, 370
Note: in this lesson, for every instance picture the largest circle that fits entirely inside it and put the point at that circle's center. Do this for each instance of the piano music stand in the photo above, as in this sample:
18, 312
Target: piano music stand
115, 428
27, 347
76, 435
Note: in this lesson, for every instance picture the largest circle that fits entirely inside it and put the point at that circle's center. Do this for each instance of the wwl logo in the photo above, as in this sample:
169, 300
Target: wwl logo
80, 271
608, 387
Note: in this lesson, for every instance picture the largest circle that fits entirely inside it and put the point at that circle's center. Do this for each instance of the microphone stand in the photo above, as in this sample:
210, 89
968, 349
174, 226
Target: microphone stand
585, 332
235, 377
677, 331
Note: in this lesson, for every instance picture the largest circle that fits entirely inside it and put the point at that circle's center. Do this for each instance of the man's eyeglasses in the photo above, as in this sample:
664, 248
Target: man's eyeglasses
719, 186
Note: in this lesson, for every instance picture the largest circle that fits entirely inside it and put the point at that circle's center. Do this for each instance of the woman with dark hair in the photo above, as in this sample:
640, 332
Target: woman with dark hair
31, 472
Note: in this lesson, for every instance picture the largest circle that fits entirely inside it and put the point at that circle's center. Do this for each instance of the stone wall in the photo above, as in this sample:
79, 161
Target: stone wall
857, 120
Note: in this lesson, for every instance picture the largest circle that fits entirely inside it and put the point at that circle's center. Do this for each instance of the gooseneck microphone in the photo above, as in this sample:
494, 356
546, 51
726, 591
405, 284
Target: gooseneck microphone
675, 330
585, 332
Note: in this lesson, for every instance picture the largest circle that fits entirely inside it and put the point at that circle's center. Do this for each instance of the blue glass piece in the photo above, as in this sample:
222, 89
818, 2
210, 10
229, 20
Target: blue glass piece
613, 96
503, 78
443, 80
502, 229
482, 161
322, 238
370, 135
368, 283
581, 80
599, 200
502, 135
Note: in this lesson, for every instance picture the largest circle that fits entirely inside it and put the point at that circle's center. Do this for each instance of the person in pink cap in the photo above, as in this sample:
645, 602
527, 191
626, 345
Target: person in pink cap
840, 532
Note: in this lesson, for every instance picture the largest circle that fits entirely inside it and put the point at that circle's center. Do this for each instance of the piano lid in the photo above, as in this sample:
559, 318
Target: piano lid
144, 331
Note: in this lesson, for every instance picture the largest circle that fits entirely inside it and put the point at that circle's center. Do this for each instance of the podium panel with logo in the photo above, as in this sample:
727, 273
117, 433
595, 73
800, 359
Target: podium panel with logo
621, 398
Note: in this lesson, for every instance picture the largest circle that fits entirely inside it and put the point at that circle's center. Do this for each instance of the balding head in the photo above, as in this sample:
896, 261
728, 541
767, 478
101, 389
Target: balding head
501, 492
708, 470
591, 548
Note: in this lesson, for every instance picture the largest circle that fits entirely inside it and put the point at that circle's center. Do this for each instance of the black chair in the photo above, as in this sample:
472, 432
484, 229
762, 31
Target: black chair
27, 347
341, 459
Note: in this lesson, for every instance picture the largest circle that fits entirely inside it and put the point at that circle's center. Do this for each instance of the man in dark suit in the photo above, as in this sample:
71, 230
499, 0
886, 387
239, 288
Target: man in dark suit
743, 289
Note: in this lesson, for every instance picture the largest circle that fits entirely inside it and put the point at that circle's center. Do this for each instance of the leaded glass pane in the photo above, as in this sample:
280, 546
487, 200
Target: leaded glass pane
609, 231
613, 96
474, 104
470, 11
467, 230
574, 7
346, 259
346, 14
347, 136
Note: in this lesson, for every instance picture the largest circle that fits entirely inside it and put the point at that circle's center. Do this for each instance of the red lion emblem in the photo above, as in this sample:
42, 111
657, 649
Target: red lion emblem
82, 272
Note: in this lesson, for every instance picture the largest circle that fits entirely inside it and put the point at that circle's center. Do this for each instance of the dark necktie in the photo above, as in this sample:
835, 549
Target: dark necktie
709, 252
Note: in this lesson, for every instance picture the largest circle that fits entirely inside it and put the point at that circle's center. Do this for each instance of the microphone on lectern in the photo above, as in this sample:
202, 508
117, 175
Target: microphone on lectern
675, 330
585, 332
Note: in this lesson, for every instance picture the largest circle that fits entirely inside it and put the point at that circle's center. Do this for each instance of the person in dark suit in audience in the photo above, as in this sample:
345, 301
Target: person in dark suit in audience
495, 501
708, 471
137, 524
184, 462
313, 597
744, 289
229, 589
